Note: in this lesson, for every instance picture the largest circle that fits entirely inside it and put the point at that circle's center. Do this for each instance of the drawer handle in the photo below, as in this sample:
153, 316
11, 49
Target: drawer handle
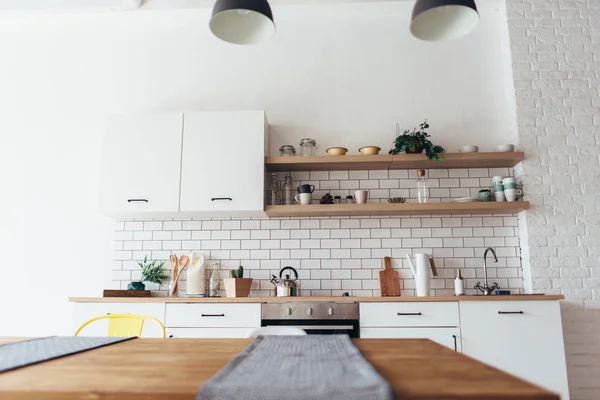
213, 315
409, 313
221, 199
137, 200
455, 344
510, 312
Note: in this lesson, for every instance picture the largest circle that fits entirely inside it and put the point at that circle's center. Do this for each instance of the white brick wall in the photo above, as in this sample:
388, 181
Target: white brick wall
336, 255
555, 48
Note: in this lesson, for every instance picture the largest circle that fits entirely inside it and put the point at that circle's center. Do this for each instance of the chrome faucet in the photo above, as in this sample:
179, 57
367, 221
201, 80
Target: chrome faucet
485, 289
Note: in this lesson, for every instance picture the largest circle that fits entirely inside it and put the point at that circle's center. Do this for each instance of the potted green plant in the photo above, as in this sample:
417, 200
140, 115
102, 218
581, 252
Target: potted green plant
237, 285
415, 142
152, 271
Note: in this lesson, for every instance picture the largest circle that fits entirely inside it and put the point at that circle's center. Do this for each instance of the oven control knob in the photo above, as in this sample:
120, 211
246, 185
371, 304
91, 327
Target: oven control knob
330, 311
309, 311
288, 311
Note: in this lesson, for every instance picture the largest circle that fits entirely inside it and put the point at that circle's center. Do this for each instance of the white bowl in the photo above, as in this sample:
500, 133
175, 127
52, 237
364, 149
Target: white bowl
504, 148
468, 149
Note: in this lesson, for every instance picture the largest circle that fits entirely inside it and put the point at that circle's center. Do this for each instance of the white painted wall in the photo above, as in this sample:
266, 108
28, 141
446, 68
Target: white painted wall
343, 74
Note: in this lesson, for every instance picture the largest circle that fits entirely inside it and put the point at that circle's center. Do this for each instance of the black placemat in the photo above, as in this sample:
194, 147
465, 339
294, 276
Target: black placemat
21, 354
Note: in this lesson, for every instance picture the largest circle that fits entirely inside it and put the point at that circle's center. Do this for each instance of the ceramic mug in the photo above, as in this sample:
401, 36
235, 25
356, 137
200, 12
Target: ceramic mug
361, 196
511, 194
509, 180
499, 196
304, 198
497, 179
306, 188
485, 195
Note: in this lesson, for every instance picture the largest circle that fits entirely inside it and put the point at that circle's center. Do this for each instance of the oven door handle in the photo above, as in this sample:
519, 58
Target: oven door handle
319, 327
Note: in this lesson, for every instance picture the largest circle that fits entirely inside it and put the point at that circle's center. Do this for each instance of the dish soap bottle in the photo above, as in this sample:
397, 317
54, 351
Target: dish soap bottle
422, 187
459, 284
214, 283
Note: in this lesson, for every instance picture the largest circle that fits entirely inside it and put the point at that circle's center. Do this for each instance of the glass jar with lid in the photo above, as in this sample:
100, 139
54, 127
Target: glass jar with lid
287, 150
308, 147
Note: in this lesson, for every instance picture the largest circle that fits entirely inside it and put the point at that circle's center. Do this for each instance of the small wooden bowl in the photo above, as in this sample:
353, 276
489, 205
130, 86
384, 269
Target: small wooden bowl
337, 151
369, 150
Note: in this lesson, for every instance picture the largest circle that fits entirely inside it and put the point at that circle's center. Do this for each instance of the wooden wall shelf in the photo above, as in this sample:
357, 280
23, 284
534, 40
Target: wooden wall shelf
400, 161
333, 210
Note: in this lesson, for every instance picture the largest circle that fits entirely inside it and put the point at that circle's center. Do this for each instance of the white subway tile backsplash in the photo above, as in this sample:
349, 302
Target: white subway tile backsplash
339, 254
193, 225
134, 226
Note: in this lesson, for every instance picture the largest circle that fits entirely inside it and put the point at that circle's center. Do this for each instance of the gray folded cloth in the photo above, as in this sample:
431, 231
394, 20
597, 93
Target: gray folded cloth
312, 367
21, 354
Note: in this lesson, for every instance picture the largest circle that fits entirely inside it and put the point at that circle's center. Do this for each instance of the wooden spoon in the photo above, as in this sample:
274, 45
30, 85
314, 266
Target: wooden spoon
173, 289
183, 262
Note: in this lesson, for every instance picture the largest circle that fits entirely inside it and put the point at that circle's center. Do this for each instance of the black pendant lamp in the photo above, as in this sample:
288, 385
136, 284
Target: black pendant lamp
242, 21
437, 20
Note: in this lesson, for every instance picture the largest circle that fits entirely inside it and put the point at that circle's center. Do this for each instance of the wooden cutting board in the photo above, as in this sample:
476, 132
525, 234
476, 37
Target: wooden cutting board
389, 280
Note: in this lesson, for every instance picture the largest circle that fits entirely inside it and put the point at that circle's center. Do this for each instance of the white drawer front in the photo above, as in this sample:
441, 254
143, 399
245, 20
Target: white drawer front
213, 315
409, 314
85, 311
449, 337
209, 333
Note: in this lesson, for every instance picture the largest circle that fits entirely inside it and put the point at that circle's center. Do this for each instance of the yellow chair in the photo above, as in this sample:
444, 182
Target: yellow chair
124, 325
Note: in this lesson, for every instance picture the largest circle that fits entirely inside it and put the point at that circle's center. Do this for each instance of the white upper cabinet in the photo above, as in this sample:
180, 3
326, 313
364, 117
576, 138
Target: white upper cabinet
141, 161
222, 169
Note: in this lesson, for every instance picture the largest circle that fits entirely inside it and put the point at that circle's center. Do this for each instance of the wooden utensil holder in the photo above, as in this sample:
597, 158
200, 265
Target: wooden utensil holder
237, 287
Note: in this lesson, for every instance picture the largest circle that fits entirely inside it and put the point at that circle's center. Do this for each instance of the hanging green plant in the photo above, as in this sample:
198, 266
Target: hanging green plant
416, 142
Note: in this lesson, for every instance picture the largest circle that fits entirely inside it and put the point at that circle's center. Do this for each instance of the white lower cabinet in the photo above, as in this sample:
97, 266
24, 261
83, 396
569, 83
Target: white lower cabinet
523, 338
409, 314
85, 311
449, 337
213, 315
209, 333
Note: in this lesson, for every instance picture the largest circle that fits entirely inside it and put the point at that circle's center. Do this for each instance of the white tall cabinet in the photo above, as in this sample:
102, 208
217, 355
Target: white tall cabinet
523, 338
222, 169
141, 161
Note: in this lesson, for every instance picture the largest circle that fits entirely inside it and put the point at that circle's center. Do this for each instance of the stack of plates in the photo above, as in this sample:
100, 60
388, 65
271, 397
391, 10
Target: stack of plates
466, 200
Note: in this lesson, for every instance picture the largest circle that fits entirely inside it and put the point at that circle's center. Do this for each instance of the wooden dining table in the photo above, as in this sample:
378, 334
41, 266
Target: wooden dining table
417, 369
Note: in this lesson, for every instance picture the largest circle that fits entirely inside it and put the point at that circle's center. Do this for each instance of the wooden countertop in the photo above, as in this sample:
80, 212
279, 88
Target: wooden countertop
417, 369
308, 299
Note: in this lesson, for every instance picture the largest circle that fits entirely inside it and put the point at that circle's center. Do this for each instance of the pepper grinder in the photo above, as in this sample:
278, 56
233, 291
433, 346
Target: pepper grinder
459, 284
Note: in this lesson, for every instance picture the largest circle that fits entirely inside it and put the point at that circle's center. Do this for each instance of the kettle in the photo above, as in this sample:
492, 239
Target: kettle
286, 287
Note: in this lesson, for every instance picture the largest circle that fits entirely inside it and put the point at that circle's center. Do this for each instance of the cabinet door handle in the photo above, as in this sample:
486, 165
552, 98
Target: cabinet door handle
510, 312
455, 343
213, 315
137, 200
221, 199
170, 336
409, 313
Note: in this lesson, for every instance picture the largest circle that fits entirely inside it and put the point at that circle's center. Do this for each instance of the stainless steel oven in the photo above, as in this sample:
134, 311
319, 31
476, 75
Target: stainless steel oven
314, 318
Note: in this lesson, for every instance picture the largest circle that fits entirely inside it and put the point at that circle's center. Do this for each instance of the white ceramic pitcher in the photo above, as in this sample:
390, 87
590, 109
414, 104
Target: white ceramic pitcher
421, 273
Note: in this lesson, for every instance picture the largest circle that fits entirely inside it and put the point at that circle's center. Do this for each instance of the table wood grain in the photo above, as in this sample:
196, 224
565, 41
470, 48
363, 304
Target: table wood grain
417, 369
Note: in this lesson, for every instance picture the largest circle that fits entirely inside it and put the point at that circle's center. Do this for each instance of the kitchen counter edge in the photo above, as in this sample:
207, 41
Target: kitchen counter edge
313, 299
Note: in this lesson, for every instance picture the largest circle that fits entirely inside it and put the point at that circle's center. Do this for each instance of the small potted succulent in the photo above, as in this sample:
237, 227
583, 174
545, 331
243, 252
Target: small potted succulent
237, 285
152, 271
415, 142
